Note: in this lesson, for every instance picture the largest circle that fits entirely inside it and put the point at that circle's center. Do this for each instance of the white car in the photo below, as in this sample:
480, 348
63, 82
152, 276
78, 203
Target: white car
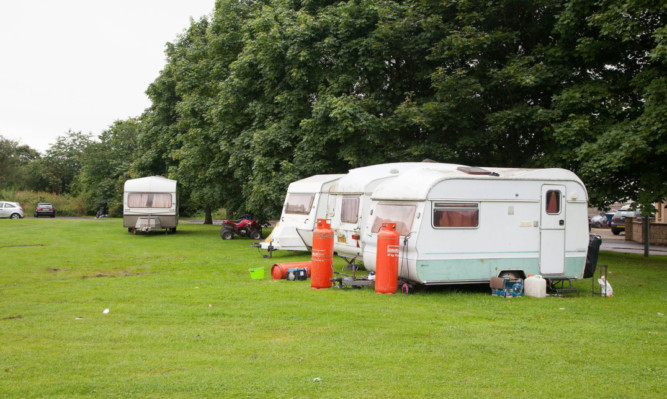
11, 210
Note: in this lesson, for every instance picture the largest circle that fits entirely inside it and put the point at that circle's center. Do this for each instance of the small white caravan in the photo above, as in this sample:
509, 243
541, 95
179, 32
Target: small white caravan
150, 203
306, 201
462, 224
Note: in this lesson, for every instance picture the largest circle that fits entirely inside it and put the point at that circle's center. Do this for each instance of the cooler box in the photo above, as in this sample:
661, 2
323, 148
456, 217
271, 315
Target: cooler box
506, 287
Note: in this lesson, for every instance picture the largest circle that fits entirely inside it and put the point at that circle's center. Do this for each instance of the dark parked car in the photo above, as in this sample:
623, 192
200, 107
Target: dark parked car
45, 209
618, 220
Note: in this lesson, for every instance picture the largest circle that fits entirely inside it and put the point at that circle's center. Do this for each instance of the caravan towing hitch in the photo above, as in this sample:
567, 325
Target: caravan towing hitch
270, 249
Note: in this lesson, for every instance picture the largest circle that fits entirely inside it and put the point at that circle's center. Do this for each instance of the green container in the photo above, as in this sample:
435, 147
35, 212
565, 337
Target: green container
257, 273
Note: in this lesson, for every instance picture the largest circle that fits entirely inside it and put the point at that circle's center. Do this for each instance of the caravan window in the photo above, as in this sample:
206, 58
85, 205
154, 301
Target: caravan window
402, 215
553, 202
350, 210
446, 214
149, 200
299, 204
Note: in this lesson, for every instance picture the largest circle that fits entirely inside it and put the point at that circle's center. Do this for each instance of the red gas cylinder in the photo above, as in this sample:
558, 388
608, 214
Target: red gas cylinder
279, 270
386, 261
322, 258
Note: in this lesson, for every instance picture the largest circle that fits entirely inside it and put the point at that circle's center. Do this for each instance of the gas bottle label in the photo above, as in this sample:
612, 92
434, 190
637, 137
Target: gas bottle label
320, 255
392, 250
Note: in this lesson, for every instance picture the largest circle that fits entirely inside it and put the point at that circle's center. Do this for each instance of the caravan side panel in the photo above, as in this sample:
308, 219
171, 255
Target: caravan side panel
505, 238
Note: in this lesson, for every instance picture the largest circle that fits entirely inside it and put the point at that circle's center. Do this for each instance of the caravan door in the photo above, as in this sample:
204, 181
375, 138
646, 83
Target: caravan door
552, 230
295, 231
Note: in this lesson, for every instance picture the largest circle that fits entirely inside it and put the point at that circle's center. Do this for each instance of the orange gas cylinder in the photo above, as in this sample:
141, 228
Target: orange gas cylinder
322, 258
386, 261
279, 270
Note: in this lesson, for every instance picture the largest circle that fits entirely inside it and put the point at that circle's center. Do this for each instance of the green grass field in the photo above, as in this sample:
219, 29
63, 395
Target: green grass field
186, 320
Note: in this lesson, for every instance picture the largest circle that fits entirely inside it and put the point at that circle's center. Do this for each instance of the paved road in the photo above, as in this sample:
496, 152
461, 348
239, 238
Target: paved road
610, 242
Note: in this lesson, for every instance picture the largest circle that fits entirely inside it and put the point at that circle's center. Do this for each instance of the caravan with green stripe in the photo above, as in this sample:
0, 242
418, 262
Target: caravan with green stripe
461, 224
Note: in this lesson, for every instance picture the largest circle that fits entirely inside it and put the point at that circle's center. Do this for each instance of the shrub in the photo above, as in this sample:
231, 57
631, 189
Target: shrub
65, 205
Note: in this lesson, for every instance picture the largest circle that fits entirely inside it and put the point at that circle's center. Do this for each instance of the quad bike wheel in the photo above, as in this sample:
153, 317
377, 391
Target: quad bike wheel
226, 234
255, 234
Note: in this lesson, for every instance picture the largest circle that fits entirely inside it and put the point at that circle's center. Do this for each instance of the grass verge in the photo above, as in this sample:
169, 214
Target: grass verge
185, 320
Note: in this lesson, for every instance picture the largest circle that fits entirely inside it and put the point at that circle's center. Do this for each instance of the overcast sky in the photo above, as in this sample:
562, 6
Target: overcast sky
82, 64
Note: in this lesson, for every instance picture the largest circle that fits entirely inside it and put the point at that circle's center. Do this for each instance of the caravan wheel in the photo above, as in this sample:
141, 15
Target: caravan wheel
132, 231
510, 274
407, 289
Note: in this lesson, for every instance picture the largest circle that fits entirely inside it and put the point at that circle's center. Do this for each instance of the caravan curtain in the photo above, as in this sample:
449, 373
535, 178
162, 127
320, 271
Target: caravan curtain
149, 200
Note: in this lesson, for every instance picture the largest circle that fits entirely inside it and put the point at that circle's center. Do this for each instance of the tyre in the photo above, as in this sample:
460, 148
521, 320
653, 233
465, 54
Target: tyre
15, 216
509, 275
132, 231
407, 289
226, 234
255, 234
616, 231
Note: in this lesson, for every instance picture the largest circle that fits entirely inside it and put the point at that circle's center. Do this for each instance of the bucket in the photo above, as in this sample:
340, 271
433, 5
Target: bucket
535, 286
257, 273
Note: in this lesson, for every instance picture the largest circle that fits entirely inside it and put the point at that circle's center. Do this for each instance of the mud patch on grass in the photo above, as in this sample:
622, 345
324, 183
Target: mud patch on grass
160, 258
123, 273
56, 270
23, 245
18, 316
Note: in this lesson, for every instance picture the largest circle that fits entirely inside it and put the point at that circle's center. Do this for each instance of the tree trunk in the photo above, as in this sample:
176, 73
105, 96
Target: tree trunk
208, 218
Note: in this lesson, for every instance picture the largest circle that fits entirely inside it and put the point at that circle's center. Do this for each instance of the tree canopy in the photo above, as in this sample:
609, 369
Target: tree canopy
266, 92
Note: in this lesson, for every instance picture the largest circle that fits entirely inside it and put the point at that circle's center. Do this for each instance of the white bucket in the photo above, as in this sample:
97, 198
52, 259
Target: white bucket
535, 286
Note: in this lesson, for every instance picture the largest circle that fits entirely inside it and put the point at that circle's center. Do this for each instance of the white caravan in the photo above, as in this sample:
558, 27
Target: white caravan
462, 224
306, 201
350, 200
150, 203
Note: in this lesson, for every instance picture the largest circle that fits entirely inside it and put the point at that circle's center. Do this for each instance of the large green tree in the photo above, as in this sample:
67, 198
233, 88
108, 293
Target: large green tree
610, 122
272, 91
106, 166
15, 159
58, 170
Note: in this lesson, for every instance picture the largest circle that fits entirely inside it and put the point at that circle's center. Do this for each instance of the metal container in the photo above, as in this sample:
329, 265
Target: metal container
322, 257
386, 272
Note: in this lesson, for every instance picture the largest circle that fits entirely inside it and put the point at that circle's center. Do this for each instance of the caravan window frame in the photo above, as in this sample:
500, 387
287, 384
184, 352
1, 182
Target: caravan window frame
558, 202
350, 213
459, 206
306, 210
150, 198
403, 227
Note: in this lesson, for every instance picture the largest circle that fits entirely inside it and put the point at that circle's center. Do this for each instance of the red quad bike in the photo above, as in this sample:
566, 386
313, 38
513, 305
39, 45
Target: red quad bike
245, 227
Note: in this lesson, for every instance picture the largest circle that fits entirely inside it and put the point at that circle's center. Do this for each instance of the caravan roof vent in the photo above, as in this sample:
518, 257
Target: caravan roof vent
474, 170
